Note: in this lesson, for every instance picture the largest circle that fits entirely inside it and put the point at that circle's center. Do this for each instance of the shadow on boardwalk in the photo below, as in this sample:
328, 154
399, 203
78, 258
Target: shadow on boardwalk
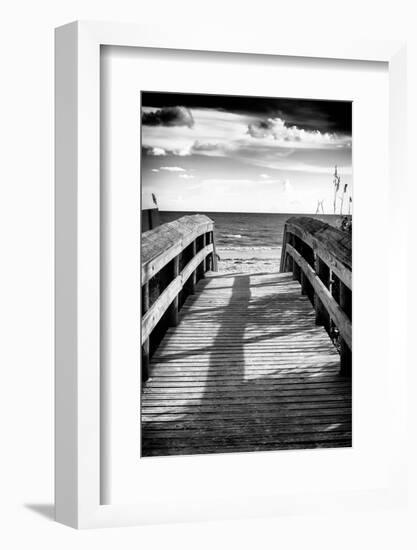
246, 369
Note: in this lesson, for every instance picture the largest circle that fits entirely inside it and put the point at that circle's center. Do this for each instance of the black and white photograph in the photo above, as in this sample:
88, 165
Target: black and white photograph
187, 188
246, 273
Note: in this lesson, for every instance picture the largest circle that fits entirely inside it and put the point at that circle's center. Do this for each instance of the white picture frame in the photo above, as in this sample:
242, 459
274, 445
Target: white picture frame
78, 408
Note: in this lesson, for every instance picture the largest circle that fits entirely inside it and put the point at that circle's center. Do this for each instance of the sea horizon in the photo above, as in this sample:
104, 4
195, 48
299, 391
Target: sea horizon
248, 212
254, 230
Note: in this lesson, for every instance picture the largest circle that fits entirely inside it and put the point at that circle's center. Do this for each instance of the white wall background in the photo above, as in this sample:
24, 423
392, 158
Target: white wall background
26, 272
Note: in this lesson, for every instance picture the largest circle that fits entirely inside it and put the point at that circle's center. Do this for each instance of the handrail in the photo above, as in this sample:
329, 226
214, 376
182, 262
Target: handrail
331, 245
320, 257
189, 239
155, 312
162, 244
336, 313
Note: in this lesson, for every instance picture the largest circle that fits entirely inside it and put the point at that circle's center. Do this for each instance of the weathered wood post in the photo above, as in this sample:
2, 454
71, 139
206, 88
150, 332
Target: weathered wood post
206, 261
289, 264
323, 272
345, 302
288, 261
304, 282
174, 307
145, 345
208, 258
214, 265
193, 278
194, 275
296, 271
285, 258
302, 249
201, 267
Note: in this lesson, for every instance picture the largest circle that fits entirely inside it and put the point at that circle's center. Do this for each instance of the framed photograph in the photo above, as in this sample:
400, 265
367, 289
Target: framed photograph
254, 351
222, 247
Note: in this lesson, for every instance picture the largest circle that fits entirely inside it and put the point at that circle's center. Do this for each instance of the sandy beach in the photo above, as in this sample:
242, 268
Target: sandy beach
248, 260
248, 242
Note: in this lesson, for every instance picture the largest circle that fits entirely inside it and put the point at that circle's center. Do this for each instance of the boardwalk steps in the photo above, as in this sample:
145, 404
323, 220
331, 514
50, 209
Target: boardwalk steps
245, 369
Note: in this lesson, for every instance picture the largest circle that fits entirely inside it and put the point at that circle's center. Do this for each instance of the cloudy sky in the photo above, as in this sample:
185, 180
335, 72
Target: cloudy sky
244, 154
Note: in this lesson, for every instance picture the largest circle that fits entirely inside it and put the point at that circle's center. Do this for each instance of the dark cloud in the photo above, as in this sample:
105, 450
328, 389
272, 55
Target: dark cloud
153, 151
308, 114
169, 116
261, 128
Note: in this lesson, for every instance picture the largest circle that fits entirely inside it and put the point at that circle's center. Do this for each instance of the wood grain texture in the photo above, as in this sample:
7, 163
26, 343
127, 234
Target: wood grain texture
246, 369
162, 244
333, 246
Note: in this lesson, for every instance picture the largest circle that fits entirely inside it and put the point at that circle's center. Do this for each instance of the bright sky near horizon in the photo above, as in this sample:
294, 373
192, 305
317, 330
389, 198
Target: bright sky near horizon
245, 154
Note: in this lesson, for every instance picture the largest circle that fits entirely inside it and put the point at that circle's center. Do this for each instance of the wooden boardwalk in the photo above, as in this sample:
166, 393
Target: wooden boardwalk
246, 369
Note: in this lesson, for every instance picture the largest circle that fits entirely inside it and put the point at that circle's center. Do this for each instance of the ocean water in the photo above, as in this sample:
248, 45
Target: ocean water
248, 230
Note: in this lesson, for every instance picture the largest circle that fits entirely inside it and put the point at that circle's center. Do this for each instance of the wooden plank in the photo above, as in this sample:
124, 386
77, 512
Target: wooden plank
234, 426
271, 367
224, 386
225, 359
299, 433
241, 407
206, 379
307, 365
264, 420
261, 417
228, 388
175, 372
241, 391
252, 430
238, 394
266, 410
238, 440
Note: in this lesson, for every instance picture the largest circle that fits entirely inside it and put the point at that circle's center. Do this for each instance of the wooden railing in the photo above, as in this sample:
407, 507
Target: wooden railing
320, 258
175, 256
